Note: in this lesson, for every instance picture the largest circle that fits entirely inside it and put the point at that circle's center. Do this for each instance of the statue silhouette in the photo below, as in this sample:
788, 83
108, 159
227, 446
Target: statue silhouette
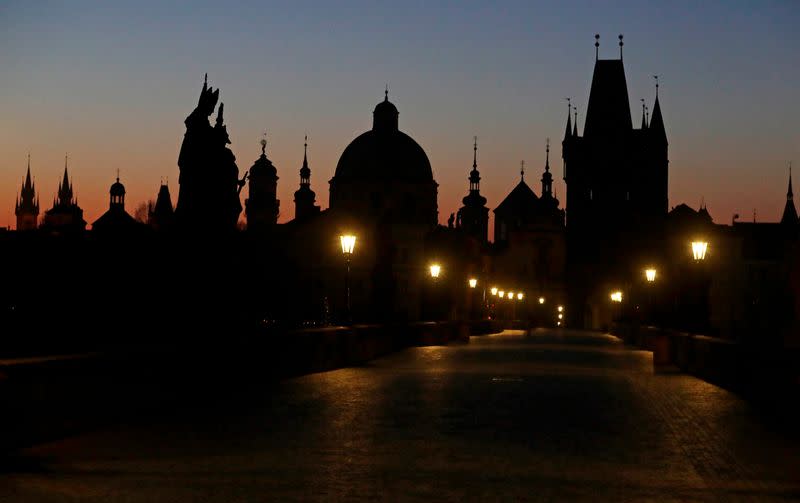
208, 198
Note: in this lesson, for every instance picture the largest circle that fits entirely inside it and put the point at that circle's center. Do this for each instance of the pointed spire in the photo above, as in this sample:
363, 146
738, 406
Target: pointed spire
596, 46
575, 124
305, 171
568, 131
547, 156
475, 152
789, 211
620, 46
386, 93
522, 170
205, 83
644, 118
647, 114
657, 123
220, 118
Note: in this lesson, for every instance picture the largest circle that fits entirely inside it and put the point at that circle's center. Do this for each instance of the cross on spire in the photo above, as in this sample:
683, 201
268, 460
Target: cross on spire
522, 170
475, 152
547, 156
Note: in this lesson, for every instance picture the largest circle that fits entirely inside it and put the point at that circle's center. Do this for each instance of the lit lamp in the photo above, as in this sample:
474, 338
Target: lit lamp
501, 293
494, 290
699, 249
541, 300
560, 316
560, 309
520, 296
473, 282
616, 296
435, 270
510, 295
348, 242
650, 274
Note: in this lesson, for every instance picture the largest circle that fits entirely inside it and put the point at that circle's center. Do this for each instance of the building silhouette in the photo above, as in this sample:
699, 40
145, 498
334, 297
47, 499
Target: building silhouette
473, 217
789, 217
65, 215
27, 206
116, 220
529, 245
162, 215
386, 174
262, 206
304, 197
616, 179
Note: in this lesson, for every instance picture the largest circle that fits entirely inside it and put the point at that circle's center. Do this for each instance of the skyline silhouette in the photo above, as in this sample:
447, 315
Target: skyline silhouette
728, 149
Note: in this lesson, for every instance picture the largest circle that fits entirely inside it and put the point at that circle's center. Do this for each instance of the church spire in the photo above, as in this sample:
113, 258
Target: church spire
657, 123
474, 175
305, 171
575, 124
644, 116
547, 178
568, 131
522, 170
789, 211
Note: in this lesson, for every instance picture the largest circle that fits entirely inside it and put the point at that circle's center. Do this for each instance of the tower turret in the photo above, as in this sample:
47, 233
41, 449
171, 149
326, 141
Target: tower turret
473, 217
789, 211
304, 197
27, 207
262, 205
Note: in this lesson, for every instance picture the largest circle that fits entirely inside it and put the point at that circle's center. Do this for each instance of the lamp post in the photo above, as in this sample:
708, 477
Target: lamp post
699, 249
348, 242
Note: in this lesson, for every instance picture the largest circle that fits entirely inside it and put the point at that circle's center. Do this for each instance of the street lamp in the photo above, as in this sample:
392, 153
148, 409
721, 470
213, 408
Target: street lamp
541, 300
699, 249
616, 296
650, 274
473, 282
348, 242
435, 269
494, 290
560, 309
520, 296
501, 294
510, 295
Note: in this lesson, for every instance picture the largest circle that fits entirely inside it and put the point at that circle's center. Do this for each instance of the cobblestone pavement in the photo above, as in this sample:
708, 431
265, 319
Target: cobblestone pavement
553, 416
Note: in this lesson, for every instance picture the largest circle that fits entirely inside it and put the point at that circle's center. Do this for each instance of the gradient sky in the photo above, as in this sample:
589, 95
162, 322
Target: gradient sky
112, 83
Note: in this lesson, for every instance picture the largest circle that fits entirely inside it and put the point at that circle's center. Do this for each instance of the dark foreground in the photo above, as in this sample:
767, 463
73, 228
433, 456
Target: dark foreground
556, 416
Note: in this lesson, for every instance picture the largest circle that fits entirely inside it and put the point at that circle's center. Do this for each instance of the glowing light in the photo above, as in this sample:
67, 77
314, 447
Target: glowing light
510, 295
520, 296
699, 249
560, 316
616, 296
348, 242
494, 290
473, 282
435, 269
650, 274
559, 323
501, 293
560, 309
541, 300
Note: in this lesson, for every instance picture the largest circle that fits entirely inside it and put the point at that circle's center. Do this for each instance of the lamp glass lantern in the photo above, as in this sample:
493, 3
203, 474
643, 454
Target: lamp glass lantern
435, 270
473, 282
699, 249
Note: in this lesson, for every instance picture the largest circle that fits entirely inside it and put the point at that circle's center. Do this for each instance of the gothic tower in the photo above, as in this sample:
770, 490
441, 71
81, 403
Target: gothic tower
65, 215
161, 216
262, 206
304, 197
473, 217
616, 180
27, 207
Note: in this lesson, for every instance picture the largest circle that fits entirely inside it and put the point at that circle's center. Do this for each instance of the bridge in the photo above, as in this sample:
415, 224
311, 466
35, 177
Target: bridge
541, 416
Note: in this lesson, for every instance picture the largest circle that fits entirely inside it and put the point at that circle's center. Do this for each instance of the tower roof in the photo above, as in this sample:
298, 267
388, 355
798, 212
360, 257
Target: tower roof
789, 211
608, 112
656, 126
385, 115
520, 200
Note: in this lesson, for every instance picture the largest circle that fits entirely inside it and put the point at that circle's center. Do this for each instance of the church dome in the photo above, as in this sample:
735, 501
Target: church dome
117, 189
384, 152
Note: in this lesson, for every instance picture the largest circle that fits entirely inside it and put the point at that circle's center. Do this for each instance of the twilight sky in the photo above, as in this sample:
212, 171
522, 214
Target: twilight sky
111, 84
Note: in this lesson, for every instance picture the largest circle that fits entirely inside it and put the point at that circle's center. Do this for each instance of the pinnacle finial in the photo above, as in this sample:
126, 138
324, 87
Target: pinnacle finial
386, 93
522, 170
264, 143
656, 79
475, 152
620, 46
596, 46
305, 145
547, 155
29, 161
117, 175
